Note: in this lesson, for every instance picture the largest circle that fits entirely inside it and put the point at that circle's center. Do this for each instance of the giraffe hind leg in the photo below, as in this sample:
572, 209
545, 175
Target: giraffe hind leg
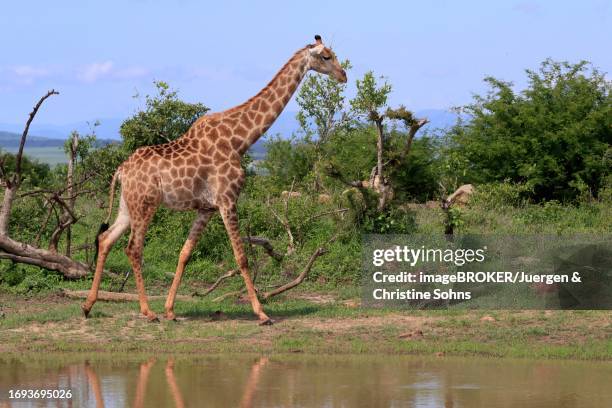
105, 242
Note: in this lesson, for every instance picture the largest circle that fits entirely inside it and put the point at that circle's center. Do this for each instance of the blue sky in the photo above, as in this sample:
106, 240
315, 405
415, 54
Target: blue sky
98, 54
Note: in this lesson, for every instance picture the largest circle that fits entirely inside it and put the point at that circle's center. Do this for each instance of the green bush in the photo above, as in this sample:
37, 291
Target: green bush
500, 195
554, 136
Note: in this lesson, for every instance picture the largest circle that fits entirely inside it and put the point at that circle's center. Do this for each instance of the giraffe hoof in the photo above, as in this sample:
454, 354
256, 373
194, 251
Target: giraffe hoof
266, 322
170, 316
85, 311
152, 317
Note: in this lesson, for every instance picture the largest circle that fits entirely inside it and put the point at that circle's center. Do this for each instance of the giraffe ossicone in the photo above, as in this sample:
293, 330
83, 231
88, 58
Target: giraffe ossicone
201, 171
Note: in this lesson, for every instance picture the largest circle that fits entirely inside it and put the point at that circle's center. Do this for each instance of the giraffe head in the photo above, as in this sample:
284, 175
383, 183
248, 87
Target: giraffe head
324, 61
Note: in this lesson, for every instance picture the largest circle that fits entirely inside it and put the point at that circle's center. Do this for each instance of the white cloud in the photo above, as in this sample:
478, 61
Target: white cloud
130, 72
16, 76
26, 74
30, 71
95, 71
107, 70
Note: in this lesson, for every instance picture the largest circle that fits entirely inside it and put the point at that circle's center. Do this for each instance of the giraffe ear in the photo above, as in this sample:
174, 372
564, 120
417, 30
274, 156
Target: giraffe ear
317, 49
318, 40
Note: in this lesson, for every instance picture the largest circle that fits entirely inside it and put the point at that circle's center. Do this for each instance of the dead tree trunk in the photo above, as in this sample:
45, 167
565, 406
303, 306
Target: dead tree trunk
7, 205
74, 143
12, 182
22, 252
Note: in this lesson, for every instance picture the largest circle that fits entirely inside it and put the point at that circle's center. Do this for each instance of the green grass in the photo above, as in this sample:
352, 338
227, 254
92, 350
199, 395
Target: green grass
49, 324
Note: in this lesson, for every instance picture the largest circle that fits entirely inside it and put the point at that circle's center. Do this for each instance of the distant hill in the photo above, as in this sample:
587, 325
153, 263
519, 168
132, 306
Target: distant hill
45, 149
10, 140
108, 128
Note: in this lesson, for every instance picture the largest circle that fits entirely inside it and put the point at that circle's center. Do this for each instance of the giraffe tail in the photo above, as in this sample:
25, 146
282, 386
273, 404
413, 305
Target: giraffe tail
111, 197
104, 226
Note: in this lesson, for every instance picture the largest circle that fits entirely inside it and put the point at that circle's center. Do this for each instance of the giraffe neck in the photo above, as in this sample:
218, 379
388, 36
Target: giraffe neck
260, 112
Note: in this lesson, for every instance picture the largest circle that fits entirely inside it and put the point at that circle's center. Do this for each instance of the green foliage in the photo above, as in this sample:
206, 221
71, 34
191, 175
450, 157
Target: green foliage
25, 280
554, 137
501, 195
415, 176
288, 160
85, 145
26, 219
321, 98
164, 118
392, 221
401, 114
454, 219
352, 152
33, 172
371, 96
104, 162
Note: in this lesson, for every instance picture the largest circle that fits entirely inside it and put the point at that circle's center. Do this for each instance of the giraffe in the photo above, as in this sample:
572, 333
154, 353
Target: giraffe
201, 171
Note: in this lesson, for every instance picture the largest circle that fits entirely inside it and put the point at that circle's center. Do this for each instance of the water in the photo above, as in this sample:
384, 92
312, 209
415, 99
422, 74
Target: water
306, 381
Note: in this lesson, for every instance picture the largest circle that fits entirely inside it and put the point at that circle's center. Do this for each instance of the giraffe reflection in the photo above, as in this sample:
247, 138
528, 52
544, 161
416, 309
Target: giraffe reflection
144, 373
94, 383
174, 389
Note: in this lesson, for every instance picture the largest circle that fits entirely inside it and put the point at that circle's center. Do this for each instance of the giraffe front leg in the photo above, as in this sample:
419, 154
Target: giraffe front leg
230, 219
194, 234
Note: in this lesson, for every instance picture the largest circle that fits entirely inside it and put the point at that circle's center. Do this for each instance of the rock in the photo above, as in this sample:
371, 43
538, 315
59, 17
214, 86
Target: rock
461, 196
324, 198
291, 194
440, 354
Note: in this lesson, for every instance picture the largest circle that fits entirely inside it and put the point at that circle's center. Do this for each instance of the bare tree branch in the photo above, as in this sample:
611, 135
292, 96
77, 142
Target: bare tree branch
221, 278
300, 278
285, 220
24, 135
114, 296
266, 245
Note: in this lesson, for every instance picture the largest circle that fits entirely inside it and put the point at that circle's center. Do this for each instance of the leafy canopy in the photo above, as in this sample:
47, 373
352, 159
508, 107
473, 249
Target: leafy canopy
164, 118
371, 96
554, 136
320, 99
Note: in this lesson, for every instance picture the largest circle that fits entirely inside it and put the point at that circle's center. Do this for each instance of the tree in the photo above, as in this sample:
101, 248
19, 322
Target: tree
164, 118
321, 102
371, 98
555, 136
369, 102
23, 252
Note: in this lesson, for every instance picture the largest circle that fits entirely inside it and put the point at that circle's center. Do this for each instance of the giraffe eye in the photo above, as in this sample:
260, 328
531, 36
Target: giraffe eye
326, 58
